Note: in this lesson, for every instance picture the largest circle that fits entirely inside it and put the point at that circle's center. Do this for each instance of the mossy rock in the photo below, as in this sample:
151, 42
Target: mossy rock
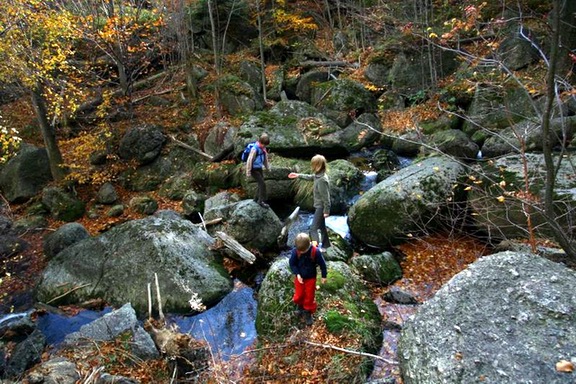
344, 305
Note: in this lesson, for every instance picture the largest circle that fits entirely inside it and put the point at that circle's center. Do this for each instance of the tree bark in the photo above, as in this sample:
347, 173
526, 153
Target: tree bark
560, 236
48, 134
236, 247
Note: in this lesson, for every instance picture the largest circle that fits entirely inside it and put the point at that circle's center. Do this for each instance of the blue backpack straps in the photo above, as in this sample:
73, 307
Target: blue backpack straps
248, 149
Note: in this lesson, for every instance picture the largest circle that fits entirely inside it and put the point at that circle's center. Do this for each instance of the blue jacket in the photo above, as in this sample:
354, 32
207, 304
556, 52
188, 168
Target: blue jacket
259, 160
305, 266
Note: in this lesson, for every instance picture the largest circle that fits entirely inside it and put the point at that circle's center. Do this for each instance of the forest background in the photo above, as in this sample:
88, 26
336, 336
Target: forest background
78, 73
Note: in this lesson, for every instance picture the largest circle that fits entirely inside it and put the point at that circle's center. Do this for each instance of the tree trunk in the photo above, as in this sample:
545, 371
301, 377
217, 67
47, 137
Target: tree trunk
48, 134
567, 39
560, 236
216, 52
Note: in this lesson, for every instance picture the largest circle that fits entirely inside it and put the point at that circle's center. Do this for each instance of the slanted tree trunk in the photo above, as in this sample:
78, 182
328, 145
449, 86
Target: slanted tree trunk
48, 134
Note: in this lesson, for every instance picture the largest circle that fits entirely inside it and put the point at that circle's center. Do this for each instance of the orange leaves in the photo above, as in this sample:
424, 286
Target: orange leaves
564, 366
431, 261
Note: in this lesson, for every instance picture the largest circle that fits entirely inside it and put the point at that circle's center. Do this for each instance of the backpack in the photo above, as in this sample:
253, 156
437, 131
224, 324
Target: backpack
247, 150
313, 253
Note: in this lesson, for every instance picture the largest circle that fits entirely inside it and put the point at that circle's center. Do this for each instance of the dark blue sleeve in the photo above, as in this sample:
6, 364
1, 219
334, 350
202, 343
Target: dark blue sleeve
294, 262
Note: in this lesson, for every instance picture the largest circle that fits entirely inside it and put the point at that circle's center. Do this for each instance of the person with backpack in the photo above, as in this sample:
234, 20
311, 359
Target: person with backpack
318, 231
256, 160
304, 259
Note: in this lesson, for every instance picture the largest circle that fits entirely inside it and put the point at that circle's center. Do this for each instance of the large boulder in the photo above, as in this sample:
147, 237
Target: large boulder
62, 204
500, 203
493, 108
142, 143
454, 142
118, 265
247, 222
362, 132
63, 237
508, 318
405, 201
295, 128
25, 174
239, 97
342, 99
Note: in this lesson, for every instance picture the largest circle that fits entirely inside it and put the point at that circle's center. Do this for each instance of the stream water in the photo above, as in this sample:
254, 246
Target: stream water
229, 327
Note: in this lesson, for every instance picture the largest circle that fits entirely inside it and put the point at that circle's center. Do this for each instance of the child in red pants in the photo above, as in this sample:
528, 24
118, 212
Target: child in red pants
303, 261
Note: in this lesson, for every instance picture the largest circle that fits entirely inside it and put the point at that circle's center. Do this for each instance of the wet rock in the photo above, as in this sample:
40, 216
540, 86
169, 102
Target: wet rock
26, 354
397, 296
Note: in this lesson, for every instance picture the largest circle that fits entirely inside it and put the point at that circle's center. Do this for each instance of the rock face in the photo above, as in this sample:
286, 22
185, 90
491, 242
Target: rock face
119, 264
405, 201
508, 318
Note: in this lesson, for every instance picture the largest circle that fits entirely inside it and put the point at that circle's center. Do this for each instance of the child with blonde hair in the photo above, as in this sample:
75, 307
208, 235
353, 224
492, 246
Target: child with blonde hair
304, 260
321, 199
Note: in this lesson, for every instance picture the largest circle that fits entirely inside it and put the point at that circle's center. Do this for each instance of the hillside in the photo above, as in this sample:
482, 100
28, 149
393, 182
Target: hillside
422, 64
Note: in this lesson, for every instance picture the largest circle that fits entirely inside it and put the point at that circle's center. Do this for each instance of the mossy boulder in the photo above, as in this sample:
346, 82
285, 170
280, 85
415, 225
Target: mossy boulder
344, 306
295, 128
118, 265
406, 201
381, 268
345, 95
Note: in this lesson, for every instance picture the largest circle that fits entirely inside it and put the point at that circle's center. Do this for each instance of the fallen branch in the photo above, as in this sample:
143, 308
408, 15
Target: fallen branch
312, 63
68, 292
160, 312
351, 352
236, 247
209, 222
283, 236
184, 145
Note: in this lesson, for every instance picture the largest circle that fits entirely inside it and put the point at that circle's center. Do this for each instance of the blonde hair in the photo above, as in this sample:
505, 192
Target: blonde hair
319, 164
302, 242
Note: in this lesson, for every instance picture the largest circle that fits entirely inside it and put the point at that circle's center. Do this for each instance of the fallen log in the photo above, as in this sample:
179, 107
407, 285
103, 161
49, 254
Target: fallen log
236, 247
312, 63
283, 236
184, 145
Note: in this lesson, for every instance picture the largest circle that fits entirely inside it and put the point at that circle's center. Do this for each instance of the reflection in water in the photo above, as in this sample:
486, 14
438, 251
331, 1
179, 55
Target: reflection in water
229, 327
56, 327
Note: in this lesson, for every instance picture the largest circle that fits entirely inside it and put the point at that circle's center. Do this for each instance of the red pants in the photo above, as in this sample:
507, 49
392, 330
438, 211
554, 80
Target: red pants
304, 294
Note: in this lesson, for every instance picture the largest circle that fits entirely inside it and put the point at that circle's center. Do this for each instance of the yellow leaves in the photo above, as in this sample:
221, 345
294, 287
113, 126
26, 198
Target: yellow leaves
294, 22
501, 199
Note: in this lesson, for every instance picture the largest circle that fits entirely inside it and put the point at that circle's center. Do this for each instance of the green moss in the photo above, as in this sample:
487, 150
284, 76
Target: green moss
266, 119
334, 282
337, 323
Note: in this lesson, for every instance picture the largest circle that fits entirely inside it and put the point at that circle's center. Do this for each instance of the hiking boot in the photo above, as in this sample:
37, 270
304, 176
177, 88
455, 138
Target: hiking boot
308, 318
300, 311
264, 205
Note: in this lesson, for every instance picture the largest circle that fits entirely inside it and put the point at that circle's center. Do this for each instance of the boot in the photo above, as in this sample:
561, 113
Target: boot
299, 311
308, 317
